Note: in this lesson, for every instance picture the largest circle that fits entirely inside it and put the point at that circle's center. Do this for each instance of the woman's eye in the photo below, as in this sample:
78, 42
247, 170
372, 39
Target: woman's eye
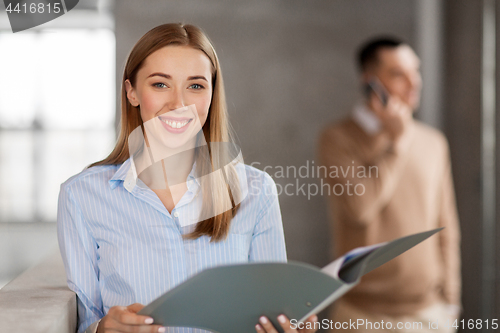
159, 85
197, 86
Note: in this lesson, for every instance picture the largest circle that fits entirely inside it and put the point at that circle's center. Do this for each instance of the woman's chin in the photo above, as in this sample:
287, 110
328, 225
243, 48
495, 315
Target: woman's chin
176, 144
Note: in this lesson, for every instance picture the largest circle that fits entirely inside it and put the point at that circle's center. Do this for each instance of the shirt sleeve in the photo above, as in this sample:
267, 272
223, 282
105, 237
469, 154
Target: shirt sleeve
79, 253
93, 327
268, 240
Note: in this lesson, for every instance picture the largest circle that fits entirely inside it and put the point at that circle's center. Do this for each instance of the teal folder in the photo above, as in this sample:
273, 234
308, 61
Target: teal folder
229, 299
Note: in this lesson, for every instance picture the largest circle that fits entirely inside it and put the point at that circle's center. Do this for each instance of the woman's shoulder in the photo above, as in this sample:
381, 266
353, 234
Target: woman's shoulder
254, 175
260, 185
95, 176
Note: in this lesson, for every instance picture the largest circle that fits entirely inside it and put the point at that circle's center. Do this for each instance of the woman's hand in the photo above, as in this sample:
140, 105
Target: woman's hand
126, 319
266, 325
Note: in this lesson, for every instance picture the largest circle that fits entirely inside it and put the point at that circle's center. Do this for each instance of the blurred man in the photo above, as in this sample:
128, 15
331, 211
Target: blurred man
393, 178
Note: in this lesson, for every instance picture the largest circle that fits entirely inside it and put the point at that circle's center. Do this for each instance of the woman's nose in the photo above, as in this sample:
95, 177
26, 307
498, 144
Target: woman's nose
176, 100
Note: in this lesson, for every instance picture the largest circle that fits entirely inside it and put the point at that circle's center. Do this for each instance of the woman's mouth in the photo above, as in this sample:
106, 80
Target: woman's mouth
175, 125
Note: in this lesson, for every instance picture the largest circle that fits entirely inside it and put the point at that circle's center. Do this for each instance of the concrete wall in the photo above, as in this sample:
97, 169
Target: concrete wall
463, 127
39, 301
288, 68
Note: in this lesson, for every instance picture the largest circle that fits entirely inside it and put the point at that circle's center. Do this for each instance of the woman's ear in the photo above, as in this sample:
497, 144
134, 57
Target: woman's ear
131, 95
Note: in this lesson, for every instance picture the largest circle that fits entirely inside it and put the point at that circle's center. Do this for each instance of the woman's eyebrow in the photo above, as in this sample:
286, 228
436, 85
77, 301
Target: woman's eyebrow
197, 77
166, 76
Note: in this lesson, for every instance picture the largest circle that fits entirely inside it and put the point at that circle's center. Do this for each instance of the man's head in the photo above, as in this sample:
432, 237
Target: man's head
395, 65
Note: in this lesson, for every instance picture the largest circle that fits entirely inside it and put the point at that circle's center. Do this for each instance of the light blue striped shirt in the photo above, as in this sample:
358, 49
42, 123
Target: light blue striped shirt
120, 245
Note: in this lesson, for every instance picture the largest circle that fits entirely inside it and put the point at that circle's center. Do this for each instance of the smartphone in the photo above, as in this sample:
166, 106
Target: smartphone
376, 87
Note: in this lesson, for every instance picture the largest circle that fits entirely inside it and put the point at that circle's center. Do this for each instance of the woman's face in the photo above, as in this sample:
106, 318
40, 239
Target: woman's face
174, 90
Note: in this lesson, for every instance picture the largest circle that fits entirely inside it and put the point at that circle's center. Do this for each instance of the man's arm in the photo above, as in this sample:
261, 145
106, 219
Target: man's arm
383, 168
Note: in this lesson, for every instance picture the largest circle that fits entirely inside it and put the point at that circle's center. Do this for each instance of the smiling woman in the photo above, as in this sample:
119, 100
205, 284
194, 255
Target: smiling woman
134, 225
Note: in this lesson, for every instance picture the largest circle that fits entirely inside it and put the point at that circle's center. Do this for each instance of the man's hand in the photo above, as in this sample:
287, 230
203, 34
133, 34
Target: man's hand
395, 116
126, 319
266, 326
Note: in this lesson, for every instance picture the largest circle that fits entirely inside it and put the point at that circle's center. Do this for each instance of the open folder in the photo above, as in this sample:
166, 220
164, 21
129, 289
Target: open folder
228, 299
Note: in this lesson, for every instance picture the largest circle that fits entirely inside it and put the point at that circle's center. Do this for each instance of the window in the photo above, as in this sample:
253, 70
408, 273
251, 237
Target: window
57, 111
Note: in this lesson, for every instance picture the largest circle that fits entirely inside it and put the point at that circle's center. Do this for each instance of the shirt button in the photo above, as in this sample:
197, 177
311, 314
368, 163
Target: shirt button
176, 214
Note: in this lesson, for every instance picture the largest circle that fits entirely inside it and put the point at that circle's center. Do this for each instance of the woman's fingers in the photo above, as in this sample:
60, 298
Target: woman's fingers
128, 315
136, 307
119, 327
265, 325
126, 319
294, 328
312, 319
115, 326
285, 323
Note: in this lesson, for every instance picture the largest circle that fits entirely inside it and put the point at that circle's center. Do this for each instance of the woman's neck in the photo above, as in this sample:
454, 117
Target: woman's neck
165, 167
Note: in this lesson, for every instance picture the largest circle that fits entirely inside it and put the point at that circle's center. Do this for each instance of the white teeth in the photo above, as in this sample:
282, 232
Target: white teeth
176, 124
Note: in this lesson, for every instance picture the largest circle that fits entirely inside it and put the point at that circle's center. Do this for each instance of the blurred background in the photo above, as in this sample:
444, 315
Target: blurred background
289, 69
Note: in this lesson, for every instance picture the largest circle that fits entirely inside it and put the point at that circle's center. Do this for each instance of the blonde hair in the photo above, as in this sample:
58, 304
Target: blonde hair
215, 129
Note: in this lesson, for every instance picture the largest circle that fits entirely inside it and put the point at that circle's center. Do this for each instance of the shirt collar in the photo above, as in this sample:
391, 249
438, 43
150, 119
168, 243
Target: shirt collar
127, 175
120, 174
366, 119
192, 177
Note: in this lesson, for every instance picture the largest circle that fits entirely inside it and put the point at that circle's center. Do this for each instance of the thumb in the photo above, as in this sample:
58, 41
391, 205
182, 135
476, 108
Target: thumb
136, 307
311, 319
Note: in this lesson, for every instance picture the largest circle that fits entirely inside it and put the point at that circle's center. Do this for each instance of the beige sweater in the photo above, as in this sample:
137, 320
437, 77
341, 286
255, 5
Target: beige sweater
412, 192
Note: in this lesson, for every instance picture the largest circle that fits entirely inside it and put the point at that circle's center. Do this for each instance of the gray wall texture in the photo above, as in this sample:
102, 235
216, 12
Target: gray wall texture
289, 69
